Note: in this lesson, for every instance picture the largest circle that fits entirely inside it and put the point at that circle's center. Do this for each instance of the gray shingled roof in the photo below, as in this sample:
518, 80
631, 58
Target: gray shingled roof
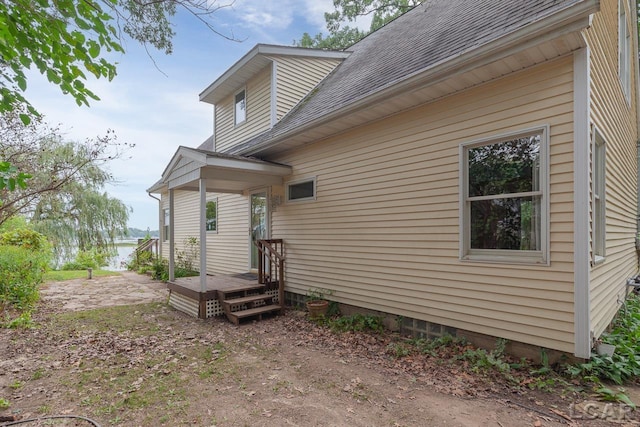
432, 33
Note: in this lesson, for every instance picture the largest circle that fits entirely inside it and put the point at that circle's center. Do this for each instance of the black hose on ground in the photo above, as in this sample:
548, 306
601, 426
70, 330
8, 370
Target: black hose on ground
52, 417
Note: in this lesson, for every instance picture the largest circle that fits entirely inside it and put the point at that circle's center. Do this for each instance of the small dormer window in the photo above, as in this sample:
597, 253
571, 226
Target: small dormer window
240, 107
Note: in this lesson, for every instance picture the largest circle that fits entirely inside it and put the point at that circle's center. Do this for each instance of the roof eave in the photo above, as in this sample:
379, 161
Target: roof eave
157, 188
182, 151
569, 20
259, 53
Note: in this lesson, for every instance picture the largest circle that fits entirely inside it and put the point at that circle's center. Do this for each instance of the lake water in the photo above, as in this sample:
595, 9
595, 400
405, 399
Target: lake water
117, 264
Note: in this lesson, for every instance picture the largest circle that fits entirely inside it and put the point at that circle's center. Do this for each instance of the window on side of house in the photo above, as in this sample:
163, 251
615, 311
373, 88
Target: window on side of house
300, 190
598, 190
504, 199
212, 215
165, 224
624, 50
240, 107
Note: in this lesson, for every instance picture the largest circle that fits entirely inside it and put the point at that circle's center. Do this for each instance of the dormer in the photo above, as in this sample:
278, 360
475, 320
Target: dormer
262, 87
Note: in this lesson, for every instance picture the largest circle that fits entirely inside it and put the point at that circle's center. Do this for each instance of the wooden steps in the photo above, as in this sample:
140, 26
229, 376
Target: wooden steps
246, 301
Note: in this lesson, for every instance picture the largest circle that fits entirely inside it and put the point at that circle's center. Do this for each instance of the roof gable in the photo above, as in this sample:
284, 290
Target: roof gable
252, 63
433, 34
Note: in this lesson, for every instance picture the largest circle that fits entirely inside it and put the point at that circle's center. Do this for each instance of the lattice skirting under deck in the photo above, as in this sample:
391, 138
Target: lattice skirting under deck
214, 308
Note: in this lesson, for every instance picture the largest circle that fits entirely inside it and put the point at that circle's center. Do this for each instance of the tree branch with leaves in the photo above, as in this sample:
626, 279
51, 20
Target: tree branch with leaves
70, 40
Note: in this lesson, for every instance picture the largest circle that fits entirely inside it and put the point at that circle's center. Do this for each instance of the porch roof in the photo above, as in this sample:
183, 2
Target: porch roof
223, 173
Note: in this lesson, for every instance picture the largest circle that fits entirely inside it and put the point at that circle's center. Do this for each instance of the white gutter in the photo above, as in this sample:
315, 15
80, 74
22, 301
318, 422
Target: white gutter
564, 22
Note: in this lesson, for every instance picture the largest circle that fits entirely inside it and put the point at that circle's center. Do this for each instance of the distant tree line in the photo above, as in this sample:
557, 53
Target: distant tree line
136, 233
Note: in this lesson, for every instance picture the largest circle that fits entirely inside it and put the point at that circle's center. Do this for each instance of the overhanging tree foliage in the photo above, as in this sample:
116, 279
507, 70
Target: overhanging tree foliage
341, 35
68, 40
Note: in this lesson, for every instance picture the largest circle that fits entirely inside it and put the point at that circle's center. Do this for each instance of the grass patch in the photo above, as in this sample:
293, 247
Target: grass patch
61, 275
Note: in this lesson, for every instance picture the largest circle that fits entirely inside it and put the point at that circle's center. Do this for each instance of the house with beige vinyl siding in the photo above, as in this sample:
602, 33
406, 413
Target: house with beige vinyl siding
469, 168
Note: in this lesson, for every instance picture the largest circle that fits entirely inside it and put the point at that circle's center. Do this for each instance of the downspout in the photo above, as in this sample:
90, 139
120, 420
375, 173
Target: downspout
159, 216
581, 145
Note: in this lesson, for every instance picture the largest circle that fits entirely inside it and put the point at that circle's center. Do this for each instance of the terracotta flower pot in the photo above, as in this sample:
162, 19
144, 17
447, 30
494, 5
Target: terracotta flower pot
317, 308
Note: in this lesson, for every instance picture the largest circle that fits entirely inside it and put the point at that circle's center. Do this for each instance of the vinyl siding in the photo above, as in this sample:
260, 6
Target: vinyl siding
258, 120
296, 77
615, 119
227, 249
185, 221
384, 230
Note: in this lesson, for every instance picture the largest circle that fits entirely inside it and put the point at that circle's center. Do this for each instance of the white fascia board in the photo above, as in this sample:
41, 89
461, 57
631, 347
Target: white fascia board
570, 20
181, 152
274, 94
264, 50
581, 147
267, 49
157, 188
250, 166
234, 69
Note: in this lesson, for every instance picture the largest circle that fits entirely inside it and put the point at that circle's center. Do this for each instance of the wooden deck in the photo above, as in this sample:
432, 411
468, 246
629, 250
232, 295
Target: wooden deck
190, 286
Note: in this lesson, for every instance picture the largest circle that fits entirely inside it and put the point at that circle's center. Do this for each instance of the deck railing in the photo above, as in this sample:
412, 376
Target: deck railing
147, 245
271, 264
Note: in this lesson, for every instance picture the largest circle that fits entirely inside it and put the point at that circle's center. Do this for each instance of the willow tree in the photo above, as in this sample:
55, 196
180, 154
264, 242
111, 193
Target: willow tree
64, 198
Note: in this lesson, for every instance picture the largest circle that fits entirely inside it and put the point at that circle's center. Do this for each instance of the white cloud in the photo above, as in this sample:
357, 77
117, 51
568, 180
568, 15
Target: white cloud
160, 112
314, 13
273, 14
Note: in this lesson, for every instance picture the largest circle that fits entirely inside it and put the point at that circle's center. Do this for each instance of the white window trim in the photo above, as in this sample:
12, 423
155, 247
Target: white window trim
288, 185
598, 229
214, 199
166, 213
540, 257
235, 121
624, 50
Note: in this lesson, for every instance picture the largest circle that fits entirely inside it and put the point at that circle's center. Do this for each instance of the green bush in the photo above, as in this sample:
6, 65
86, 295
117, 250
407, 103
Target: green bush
141, 261
24, 258
25, 238
21, 271
624, 365
92, 258
357, 323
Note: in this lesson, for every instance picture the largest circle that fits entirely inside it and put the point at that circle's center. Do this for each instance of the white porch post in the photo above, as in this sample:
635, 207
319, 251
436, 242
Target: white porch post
203, 235
172, 242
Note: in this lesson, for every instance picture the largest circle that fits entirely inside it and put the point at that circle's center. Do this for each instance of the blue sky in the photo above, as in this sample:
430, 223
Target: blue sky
159, 110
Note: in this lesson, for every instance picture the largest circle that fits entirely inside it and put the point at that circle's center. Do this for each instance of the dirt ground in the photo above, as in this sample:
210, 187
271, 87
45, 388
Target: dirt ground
111, 350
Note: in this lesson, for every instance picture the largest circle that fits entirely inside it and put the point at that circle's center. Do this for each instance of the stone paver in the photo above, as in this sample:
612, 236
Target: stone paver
85, 294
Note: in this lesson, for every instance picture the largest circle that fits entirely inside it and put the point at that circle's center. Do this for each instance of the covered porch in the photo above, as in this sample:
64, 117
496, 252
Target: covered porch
210, 172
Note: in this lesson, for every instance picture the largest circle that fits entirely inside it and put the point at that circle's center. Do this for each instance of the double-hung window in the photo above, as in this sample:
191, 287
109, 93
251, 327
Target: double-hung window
505, 197
165, 224
598, 190
624, 49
